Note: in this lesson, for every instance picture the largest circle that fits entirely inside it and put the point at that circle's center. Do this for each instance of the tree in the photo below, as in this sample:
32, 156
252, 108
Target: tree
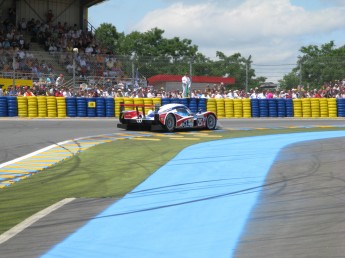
107, 35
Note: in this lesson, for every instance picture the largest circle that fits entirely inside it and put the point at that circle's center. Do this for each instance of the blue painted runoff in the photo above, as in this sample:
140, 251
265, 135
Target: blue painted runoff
196, 205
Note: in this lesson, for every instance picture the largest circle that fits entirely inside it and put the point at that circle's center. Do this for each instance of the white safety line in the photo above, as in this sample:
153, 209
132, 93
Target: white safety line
31, 220
32, 154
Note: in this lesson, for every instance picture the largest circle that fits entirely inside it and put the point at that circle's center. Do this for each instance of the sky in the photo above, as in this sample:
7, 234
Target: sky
271, 31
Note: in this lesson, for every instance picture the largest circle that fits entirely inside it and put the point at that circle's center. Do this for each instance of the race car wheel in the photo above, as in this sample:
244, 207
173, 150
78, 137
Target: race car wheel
211, 122
170, 123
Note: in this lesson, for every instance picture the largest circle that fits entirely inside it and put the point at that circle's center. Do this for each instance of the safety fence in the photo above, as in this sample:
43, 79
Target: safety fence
61, 107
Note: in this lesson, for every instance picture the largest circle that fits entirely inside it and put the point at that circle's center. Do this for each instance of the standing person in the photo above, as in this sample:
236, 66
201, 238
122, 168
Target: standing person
59, 81
185, 85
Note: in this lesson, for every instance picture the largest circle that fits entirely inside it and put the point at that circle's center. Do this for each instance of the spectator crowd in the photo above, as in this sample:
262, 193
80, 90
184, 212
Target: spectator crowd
60, 39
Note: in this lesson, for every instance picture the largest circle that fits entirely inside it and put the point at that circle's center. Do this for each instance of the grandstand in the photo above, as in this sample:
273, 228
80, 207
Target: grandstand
37, 38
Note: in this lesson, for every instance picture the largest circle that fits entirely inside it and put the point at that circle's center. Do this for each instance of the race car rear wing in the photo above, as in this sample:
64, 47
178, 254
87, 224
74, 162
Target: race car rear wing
137, 106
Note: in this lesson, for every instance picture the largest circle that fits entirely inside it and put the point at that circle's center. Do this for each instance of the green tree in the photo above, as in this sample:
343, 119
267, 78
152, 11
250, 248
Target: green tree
108, 36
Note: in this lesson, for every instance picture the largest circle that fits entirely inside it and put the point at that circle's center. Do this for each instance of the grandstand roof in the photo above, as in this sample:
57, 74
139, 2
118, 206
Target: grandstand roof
196, 79
90, 3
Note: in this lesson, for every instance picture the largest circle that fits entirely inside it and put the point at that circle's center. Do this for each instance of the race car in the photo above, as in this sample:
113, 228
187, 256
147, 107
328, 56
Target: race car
168, 117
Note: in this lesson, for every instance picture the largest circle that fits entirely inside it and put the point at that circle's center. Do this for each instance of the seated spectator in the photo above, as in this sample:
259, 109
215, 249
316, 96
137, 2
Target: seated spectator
28, 93
22, 25
6, 44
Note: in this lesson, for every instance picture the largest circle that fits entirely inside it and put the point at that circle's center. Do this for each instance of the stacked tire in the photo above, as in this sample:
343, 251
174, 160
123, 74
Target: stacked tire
32, 107
306, 107
118, 101
289, 107
12, 106
81, 107
22, 106
341, 107
220, 108
315, 107
193, 105
71, 106
61, 107
42, 106
238, 108
246, 108
254, 104
148, 105
3, 107
229, 108
91, 107
51, 107
211, 105
202, 104
165, 101
109, 107
272, 108
332, 107
100, 107
297, 107
323, 107
263, 107
281, 107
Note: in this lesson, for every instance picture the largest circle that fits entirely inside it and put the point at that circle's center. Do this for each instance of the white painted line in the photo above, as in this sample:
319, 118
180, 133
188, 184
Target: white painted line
31, 220
32, 154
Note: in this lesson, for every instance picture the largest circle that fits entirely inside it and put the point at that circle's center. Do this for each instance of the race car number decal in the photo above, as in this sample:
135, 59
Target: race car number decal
200, 121
187, 123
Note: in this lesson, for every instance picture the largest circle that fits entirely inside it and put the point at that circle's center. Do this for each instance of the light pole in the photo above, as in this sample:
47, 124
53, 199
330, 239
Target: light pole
75, 52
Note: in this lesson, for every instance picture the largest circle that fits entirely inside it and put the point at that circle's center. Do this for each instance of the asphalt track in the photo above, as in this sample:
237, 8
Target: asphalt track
292, 206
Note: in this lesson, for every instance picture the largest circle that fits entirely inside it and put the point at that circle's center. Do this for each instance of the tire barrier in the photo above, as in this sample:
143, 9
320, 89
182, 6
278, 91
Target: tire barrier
22, 106
109, 107
148, 102
332, 107
128, 101
156, 101
341, 107
263, 107
281, 107
165, 101
202, 105
100, 107
81, 107
12, 106
211, 105
229, 108
51, 107
91, 107
71, 106
315, 107
306, 108
289, 107
323, 108
61, 107
254, 103
117, 106
238, 108
220, 108
246, 108
3, 106
32, 107
193, 105
297, 107
42, 106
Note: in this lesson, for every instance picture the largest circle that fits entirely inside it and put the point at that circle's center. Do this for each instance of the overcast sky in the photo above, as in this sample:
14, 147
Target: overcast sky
271, 31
